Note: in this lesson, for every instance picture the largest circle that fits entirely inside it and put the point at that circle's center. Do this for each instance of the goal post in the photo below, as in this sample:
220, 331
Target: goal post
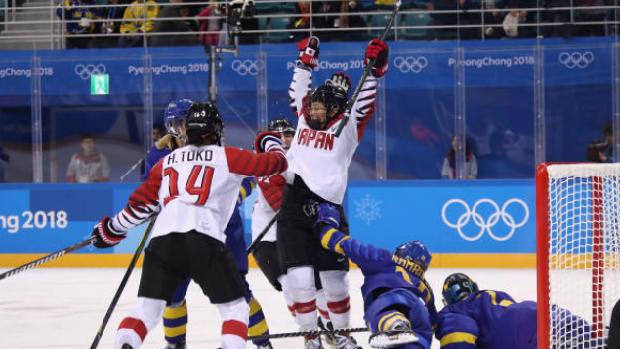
577, 251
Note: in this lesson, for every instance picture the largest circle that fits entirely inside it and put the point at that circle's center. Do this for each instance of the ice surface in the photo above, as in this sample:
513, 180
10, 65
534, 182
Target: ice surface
63, 308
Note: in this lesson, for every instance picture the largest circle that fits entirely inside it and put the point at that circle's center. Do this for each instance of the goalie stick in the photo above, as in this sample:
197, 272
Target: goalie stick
367, 68
121, 287
47, 258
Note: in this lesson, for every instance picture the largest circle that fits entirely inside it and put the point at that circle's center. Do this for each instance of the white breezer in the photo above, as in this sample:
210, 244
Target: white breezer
578, 248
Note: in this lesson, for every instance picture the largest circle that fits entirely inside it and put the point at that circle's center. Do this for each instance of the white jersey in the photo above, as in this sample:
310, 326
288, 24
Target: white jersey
268, 202
319, 157
196, 188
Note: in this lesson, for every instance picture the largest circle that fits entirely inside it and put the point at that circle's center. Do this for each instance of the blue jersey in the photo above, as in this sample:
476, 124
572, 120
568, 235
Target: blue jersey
381, 269
154, 155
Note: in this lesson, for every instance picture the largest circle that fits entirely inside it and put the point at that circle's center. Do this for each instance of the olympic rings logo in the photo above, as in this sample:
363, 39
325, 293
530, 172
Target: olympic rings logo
576, 59
410, 64
247, 67
85, 71
490, 222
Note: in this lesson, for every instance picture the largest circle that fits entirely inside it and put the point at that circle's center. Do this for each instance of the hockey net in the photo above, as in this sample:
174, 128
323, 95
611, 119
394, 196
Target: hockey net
578, 252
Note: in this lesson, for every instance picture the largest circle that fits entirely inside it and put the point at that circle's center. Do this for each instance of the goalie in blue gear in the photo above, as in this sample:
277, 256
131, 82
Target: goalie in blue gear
397, 298
474, 318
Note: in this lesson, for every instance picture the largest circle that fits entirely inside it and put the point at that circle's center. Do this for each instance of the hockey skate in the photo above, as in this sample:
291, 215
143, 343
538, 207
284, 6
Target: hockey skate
398, 334
345, 342
313, 343
328, 339
180, 345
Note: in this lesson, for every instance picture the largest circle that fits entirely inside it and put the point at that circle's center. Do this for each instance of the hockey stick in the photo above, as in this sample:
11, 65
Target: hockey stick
47, 258
262, 233
369, 64
139, 163
121, 287
309, 333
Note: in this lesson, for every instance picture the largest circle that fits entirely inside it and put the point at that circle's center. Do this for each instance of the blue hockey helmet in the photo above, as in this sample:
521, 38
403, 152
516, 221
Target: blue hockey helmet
416, 252
457, 287
174, 115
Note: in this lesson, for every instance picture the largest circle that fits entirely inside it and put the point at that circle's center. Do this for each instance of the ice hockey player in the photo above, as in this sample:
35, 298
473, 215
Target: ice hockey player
474, 318
195, 189
175, 315
614, 327
399, 303
265, 207
319, 164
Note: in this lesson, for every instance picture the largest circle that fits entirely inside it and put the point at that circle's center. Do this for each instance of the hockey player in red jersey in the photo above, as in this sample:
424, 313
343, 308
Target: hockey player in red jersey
319, 164
195, 189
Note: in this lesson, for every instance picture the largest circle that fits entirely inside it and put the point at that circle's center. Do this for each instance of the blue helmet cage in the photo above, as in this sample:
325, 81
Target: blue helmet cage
415, 252
175, 114
457, 287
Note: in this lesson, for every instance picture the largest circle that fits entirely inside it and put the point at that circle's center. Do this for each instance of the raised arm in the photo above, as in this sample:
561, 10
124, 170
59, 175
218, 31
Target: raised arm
269, 160
299, 90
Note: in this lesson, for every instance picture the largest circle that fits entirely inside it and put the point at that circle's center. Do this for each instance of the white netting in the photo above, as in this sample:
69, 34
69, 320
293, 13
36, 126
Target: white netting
584, 252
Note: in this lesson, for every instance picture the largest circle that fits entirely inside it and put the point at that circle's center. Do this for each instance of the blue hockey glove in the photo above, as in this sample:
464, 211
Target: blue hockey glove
328, 214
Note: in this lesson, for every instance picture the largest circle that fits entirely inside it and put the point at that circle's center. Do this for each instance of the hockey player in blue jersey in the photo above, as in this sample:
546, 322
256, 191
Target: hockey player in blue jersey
474, 318
175, 315
397, 298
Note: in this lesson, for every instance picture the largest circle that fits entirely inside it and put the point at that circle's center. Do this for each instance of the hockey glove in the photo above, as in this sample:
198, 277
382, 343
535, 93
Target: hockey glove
328, 214
268, 141
378, 51
339, 79
308, 53
106, 235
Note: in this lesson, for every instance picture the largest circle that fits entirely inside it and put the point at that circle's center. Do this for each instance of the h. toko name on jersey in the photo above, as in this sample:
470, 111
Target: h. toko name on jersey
194, 155
318, 139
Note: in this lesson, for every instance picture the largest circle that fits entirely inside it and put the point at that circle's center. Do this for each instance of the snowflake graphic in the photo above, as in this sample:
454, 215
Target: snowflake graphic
367, 209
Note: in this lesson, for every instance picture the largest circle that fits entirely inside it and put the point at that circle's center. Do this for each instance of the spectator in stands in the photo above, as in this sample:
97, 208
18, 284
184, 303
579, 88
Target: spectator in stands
444, 19
448, 171
210, 23
302, 20
325, 18
79, 17
592, 15
186, 27
352, 20
137, 21
520, 13
4, 160
111, 24
493, 19
556, 16
158, 131
603, 150
88, 165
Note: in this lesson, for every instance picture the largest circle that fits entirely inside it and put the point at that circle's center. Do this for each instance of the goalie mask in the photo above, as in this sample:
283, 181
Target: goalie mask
457, 287
204, 121
414, 257
174, 116
326, 103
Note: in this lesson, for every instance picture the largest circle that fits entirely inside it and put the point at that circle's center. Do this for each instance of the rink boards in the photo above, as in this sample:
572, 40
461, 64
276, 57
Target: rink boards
482, 223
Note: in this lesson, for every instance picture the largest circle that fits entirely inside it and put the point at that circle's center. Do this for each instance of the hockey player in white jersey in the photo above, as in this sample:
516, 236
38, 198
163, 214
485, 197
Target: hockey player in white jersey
195, 189
319, 164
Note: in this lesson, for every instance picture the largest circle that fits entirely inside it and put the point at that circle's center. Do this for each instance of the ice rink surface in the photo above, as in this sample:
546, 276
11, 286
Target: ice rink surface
63, 308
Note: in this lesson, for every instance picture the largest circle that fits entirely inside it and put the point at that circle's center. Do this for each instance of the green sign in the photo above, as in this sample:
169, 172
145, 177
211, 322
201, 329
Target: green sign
99, 84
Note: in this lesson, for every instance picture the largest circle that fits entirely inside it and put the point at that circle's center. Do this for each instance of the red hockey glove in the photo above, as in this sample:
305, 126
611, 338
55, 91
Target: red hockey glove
308, 52
339, 79
106, 235
378, 51
268, 141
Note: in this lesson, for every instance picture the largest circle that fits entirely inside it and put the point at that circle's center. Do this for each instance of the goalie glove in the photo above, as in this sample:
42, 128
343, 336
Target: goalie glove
268, 141
339, 79
105, 235
378, 51
308, 53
